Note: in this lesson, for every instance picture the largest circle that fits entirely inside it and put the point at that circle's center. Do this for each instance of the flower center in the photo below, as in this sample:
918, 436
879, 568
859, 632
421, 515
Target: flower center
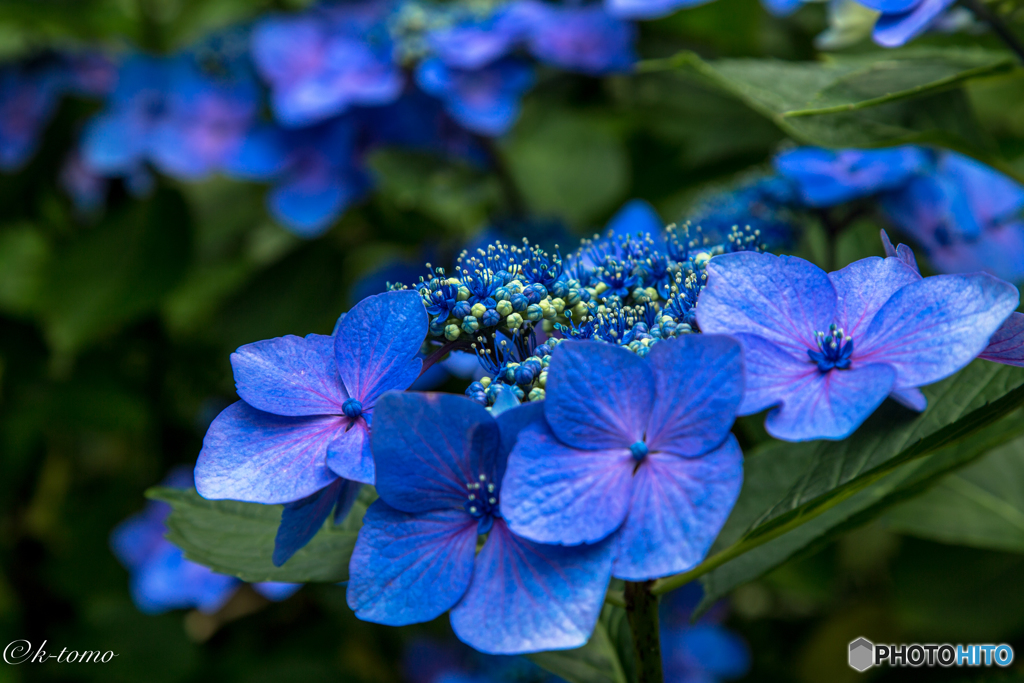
834, 349
352, 408
482, 502
639, 450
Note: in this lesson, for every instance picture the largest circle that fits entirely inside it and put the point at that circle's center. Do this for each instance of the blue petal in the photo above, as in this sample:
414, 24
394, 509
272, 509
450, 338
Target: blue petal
782, 8
257, 457
598, 395
863, 287
903, 20
649, 9
275, 590
1007, 344
933, 327
346, 499
349, 455
553, 493
429, 447
378, 342
783, 299
704, 652
910, 398
169, 581
290, 376
815, 404
527, 597
406, 569
678, 507
637, 217
699, 386
309, 206
112, 144
262, 155
301, 520
829, 177
513, 421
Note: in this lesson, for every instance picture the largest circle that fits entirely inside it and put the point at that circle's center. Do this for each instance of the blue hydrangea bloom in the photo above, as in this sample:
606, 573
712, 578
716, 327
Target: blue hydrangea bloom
477, 39
29, 94
828, 177
701, 652
903, 20
649, 9
314, 170
320, 63
441, 463
965, 215
486, 100
583, 38
301, 433
172, 113
161, 578
823, 350
637, 449
761, 205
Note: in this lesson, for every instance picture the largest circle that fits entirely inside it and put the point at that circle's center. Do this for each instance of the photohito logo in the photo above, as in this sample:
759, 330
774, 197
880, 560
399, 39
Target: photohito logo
864, 654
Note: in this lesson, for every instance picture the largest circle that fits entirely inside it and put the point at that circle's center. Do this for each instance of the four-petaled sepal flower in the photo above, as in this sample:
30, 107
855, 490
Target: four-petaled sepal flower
634, 449
305, 414
441, 463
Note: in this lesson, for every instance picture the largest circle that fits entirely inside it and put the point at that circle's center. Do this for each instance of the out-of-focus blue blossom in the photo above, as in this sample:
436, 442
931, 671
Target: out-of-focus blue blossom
161, 578
649, 9
426, 660
965, 215
636, 450
823, 350
29, 94
469, 39
301, 433
485, 100
174, 113
701, 652
314, 171
584, 38
903, 20
827, 177
327, 59
758, 210
441, 461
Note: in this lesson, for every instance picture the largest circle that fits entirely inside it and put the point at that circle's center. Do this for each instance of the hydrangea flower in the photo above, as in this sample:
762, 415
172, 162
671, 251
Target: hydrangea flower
903, 20
829, 177
161, 578
634, 449
585, 38
441, 463
485, 100
320, 63
965, 215
301, 433
172, 113
761, 206
473, 40
823, 350
701, 652
314, 169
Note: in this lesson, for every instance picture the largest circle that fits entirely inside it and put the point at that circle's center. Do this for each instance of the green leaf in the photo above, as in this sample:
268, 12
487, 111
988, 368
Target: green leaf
238, 538
568, 164
24, 253
981, 506
896, 97
814, 487
117, 272
599, 660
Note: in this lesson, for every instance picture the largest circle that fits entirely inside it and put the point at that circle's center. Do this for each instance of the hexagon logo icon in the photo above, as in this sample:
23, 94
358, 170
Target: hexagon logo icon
862, 654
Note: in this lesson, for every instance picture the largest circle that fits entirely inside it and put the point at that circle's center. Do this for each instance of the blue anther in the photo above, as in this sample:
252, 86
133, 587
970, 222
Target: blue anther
352, 408
639, 450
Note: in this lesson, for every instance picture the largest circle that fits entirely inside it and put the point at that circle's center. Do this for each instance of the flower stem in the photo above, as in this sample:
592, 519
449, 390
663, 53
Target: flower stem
982, 12
642, 614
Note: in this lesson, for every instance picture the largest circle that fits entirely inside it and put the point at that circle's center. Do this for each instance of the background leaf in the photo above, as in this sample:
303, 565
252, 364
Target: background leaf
238, 538
982, 505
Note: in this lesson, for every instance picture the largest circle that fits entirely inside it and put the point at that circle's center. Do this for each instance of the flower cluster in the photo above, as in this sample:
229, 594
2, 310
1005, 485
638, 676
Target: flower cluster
342, 79
161, 578
965, 215
634, 286
514, 518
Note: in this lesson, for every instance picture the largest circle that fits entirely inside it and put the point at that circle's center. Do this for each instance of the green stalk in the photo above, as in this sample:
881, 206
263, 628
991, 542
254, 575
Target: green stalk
642, 614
